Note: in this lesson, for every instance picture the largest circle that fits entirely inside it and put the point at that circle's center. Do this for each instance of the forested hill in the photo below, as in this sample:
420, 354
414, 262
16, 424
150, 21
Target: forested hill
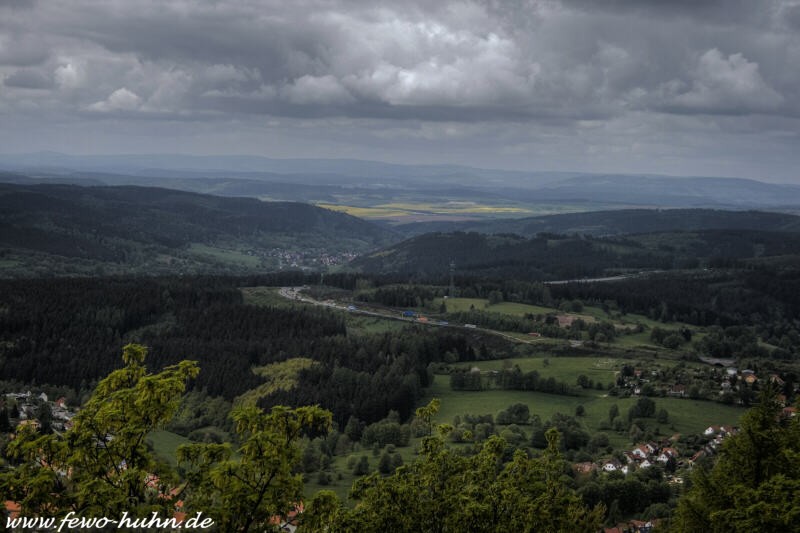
67, 229
552, 257
620, 222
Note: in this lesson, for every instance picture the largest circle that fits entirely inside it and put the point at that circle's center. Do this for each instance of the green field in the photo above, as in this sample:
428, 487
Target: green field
225, 255
339, 466
685, 416
456, 305
165, 443
264, 296
566, 369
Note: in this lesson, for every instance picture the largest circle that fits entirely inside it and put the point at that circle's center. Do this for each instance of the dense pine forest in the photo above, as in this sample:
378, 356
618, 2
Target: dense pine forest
65, 332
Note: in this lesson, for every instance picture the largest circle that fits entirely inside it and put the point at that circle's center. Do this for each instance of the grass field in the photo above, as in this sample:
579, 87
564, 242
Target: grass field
398, 209
225, 255
264, 296
339, 466
456, 305
565, 369
165, 443
588, 315
685, 416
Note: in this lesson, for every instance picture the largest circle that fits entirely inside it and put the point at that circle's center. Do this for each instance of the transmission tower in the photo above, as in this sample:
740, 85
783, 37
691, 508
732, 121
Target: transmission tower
452, 278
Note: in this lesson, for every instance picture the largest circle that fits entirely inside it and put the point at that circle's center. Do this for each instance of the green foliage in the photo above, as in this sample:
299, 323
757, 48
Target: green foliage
755, 484
644, 408
447, 491
426, 414
362, 466
385, 432
102, 466
243, 492
518, 413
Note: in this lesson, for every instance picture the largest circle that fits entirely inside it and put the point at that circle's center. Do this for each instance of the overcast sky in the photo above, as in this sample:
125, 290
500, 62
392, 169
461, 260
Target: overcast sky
688, 87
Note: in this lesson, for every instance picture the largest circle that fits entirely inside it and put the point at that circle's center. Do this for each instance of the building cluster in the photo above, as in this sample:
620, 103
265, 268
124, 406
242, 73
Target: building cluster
649, 454
307, 258
29, 408
729, 385
643, 455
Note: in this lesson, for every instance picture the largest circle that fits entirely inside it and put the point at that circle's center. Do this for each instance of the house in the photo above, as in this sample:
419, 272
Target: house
666, 454
677, 390
611, 466
640, 526
288, 523
34, 424
711, 430
750, 379
776, 379
629, 457
789, 412
565, 321
696, 457
645, 464
641, 452
584, 468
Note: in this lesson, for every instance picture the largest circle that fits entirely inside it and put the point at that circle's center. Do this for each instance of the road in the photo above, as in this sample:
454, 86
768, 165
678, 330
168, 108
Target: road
295, 294
600, 280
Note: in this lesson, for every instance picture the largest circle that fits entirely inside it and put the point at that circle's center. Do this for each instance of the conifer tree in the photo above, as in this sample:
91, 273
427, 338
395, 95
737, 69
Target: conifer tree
755, 484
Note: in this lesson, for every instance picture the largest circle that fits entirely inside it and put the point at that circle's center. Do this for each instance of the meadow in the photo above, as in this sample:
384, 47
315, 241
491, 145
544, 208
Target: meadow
685, 416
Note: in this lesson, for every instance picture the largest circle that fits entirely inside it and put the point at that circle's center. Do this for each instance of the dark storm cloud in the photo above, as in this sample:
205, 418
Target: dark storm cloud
28, 79
17, 4
583, 73
526, 59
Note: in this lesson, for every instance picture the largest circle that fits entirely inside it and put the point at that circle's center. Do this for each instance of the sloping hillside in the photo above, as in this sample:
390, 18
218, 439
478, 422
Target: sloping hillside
150, 230
551, 256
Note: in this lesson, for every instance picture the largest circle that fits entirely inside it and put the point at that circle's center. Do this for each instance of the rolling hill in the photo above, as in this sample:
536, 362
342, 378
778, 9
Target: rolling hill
421, 192
554, 257
68, 229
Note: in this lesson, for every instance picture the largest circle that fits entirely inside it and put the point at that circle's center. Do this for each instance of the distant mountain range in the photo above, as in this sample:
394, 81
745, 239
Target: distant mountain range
366, 183
66, 229
619, 222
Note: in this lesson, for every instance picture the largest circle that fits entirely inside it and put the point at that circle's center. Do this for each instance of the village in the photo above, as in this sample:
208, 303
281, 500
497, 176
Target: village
37, 411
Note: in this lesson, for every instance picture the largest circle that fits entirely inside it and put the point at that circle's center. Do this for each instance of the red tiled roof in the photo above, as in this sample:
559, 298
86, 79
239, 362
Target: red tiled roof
13, 508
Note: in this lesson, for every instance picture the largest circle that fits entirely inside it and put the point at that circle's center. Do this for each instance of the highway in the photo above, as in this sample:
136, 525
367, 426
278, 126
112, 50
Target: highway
294, 294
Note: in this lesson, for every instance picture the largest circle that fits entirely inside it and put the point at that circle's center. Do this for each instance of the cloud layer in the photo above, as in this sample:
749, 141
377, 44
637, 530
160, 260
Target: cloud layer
608, 85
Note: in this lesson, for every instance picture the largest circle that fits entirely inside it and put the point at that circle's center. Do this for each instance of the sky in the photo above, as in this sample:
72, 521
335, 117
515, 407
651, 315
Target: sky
683, 87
